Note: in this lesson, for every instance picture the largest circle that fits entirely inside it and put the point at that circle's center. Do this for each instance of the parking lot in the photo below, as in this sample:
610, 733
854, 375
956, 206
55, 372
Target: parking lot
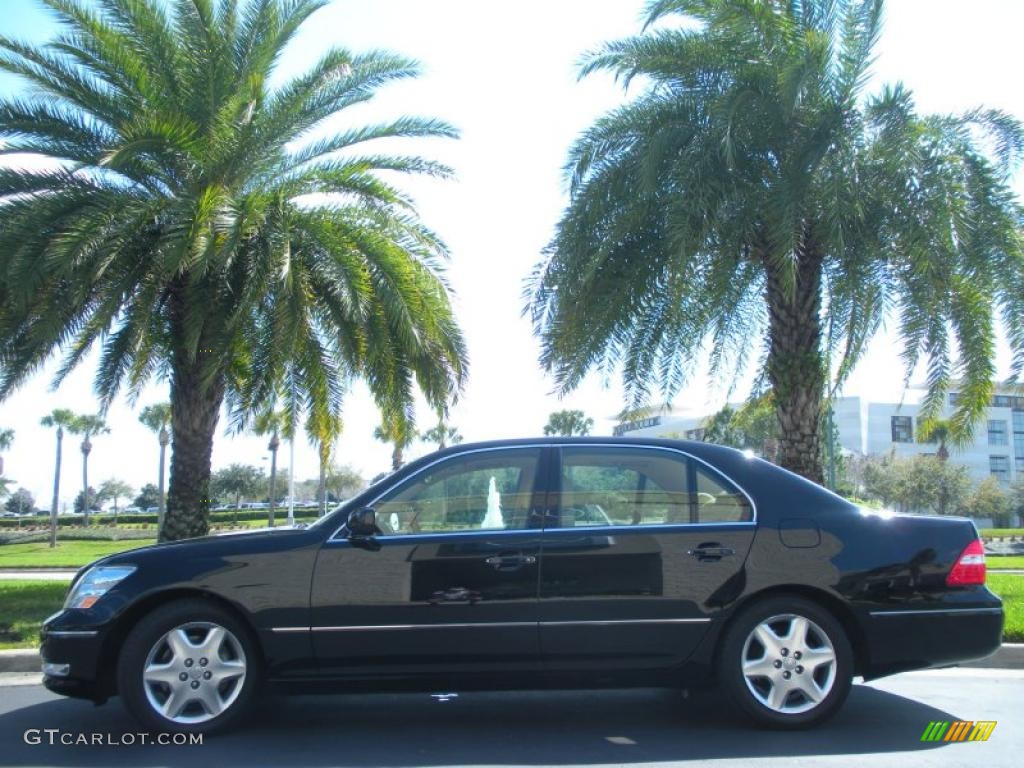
881, 725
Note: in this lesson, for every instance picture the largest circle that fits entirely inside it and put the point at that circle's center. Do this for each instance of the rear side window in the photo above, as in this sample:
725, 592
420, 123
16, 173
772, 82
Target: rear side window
642, 486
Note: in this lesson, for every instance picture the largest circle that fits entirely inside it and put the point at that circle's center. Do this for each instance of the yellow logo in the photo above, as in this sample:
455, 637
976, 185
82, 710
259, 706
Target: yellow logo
958, 730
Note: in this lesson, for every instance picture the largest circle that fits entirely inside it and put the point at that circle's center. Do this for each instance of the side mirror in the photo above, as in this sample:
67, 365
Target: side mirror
362, 522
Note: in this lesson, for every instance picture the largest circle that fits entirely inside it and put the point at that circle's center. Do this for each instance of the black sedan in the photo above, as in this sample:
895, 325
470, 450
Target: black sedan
536, 563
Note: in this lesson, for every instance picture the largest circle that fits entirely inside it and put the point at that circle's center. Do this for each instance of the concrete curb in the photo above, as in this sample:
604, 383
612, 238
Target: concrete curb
1009, 656
20, 660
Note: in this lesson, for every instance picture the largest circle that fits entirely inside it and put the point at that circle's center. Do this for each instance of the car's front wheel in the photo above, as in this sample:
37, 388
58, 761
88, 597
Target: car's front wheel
188, 667
786, 662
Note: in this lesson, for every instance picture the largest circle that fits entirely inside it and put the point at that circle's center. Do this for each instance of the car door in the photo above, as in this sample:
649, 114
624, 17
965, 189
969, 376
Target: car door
642, 546
449, 583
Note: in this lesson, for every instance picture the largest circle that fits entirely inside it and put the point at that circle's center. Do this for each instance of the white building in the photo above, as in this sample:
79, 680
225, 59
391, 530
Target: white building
871, 429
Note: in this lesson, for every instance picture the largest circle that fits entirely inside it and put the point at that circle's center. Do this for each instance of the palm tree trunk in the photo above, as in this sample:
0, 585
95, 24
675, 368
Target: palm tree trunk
796, 368
56, 491
162, 514
396, 458
195, 412
321, 490
273, 485
85, 484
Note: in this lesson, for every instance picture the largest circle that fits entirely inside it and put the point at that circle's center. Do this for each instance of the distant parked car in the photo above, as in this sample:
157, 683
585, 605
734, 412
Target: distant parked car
152, 510
132, 510
569, 562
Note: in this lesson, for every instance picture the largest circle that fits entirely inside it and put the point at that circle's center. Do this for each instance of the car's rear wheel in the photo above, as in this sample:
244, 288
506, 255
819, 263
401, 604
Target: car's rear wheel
188, 667
786, 662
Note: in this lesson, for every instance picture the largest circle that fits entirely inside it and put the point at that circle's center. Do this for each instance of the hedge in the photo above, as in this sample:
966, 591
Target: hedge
107, 519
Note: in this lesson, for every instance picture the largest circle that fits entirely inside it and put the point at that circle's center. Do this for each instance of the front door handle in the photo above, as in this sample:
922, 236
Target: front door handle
510, 561
711, 552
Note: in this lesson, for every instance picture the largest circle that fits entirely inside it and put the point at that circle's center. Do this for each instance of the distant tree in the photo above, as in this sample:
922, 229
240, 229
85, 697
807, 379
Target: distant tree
442, 433
918, 483
397, 428
238, 481
990, 499
6, 438
272, 423
568, 423
61, 419
94, 501
87, 425
343, 481
1017, 498
149, 496
21, 502
941, 432
114, 490
157, 418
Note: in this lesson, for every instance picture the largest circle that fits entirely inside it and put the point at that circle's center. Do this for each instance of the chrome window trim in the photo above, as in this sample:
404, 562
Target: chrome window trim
541, 446
937, 611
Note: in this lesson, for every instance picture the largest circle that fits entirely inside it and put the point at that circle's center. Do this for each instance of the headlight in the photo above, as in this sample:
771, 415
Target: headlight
95, 583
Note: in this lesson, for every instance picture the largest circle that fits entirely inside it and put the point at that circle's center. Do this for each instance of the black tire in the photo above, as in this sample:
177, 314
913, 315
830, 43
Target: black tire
798, 709
200, 616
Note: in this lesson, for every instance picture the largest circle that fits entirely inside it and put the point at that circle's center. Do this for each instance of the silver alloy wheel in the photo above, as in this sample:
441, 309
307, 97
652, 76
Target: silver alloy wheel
194, 672
789, 663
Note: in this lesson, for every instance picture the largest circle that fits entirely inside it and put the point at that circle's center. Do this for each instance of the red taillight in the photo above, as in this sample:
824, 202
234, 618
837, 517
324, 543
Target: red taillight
970, 566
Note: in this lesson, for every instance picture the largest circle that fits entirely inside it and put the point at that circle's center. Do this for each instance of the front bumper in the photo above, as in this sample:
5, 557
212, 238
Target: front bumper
65, 642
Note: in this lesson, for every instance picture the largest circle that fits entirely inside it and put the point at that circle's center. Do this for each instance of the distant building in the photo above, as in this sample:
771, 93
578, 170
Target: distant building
869, 428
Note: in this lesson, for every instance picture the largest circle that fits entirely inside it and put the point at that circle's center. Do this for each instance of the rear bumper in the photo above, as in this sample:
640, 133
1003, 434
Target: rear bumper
902, 640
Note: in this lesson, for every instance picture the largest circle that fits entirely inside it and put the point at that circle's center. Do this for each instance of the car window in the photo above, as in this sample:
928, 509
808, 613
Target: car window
718, 501
641, 486
490, 490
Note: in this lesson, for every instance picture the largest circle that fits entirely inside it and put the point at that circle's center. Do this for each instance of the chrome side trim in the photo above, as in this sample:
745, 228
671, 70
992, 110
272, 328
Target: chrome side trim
609, 622
421, 470
938, 611
290, 629
449, 625
72, 633
490, 624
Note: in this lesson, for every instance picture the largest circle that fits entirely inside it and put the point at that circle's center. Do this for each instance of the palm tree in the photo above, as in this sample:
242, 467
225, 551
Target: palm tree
62, 419
157, 418
6, 439
323, 431
271, 422
442, 434
939, 431
198, 223
87, 426
397, 428
568, 423
753, 191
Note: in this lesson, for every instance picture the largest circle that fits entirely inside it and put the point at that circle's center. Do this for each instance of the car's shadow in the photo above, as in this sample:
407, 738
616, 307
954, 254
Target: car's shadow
532, 728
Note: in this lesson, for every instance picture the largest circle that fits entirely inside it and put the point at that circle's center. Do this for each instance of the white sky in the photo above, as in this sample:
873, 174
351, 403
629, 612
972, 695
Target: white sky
505, 75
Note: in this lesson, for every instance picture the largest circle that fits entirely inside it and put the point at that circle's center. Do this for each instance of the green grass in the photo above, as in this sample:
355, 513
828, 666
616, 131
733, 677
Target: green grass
995, 562
67, 554
1010, 587
23, 606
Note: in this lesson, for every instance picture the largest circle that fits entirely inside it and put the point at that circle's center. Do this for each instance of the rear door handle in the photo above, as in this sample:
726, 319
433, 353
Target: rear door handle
711, 552
510, 562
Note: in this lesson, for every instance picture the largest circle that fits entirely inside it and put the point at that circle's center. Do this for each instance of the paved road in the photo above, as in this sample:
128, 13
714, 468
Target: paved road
880, 726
